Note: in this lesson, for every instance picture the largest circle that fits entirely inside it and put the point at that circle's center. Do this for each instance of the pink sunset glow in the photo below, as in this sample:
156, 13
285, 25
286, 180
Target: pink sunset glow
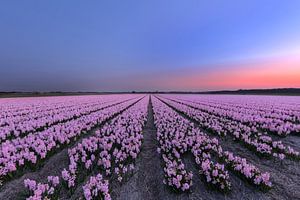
260, 74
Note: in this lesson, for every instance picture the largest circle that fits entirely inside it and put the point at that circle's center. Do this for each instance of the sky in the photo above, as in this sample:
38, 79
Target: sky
193, 45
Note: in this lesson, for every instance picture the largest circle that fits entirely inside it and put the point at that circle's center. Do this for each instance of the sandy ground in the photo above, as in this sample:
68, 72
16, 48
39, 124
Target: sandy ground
145, 182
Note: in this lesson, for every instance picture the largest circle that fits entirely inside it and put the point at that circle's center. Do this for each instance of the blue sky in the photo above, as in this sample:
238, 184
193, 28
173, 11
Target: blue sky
125, 45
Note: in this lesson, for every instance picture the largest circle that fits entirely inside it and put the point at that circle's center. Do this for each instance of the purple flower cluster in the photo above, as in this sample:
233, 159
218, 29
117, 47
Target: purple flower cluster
251, 172
33, 128
18, 152
96, 187
175, 174
40, 113
251, 136
176, 135
215, 173
277, 117
41, 191
118, 141
44, 114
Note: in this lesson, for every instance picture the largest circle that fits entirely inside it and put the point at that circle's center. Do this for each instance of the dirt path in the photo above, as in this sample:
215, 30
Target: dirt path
147, 179
146, 182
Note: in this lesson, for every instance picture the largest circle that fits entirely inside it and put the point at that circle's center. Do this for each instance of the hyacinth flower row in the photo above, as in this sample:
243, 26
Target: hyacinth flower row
206, 146
278, 123
118, 141
15, 111
258, 107
282, 108
16, 107
275, 125
260, 142
176, 135
250, 136
116, 144
37, 190
96, 187
17, 153
19, 127
236, 163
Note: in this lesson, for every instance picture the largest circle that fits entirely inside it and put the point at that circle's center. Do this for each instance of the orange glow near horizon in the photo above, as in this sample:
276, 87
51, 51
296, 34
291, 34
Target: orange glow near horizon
284, 73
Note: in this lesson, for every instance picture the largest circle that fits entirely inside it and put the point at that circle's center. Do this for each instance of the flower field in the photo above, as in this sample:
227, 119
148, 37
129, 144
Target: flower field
142, 146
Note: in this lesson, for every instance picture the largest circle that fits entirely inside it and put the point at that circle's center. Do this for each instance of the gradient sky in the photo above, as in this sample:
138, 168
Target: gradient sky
56, 45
